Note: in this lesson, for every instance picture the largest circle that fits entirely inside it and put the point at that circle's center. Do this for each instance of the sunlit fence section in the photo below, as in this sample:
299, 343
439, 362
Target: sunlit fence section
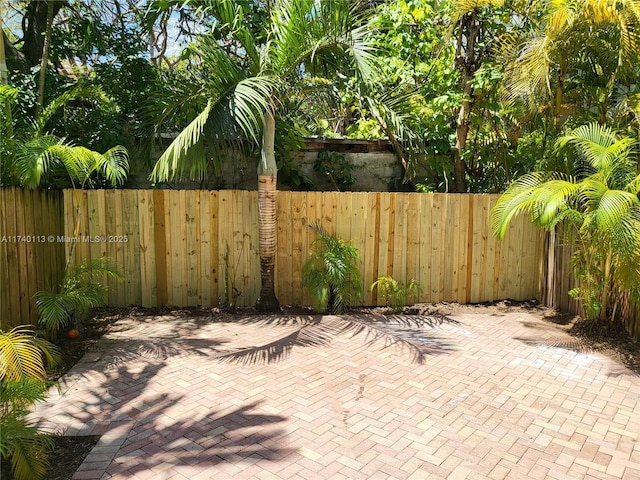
443, 241
195, 247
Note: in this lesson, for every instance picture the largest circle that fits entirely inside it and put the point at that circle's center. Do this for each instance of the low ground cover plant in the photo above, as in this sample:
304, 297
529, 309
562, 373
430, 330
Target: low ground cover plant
394, 294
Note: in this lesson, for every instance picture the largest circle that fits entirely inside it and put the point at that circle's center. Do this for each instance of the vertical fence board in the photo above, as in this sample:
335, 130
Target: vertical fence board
148, 279
426, 223
384, 232
413, 238
398, 253
55, 207
450, 248
358, 218
343, 215
130, 239
176, 241
245, 226
329, 212
314, 217
29, 232
225, 233
204, 237
488, 251
118, 247
95, 210
5, 297
76, 247
372, 228
284, 262
214, 216
13, 263
160, 246
298, 221
254, 245
438, 225
191, 247
460, 262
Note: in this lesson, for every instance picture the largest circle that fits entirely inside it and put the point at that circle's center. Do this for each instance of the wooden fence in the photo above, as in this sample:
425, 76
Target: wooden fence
186, 248
31, 258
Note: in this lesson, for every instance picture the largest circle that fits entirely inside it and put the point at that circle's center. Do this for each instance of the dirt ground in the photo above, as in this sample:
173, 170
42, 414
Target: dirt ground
69, 452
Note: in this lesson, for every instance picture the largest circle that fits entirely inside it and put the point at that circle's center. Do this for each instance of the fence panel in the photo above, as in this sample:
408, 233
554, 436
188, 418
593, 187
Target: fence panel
199, 247
32, 251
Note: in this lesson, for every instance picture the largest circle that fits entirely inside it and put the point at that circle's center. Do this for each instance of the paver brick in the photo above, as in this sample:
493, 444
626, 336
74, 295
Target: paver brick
491, 407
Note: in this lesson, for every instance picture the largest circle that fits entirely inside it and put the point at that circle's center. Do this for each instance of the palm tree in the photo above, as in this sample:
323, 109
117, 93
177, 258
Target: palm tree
577, 46
601, 208
331, 273
246, 88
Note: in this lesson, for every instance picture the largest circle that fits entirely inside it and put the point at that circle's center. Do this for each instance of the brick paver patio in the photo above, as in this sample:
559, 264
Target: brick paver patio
496, 396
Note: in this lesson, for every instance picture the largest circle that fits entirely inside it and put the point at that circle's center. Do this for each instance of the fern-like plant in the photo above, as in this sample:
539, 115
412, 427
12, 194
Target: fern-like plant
23, 359
331, 273
81, 289
395, 294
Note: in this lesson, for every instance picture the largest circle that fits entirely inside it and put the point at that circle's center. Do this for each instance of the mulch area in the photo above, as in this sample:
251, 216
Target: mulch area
69, 452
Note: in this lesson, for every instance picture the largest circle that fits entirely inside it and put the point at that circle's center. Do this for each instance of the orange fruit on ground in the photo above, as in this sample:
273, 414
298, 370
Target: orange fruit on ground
73, 333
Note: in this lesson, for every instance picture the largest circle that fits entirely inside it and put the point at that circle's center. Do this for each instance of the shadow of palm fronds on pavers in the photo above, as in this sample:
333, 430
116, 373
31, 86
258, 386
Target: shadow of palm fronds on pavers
409, 333
573, 344
583, 346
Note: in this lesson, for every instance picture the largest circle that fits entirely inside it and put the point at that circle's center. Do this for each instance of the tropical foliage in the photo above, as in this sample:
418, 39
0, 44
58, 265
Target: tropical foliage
32, 157
395, 294
600, 209
471, 94
331, 274
81, 289
246, 77
23, 358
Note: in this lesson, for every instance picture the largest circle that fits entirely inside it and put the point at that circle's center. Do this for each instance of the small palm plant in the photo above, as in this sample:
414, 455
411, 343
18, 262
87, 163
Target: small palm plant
331, 274
23, 359
81, 289
600, 209
395, 294
34, 158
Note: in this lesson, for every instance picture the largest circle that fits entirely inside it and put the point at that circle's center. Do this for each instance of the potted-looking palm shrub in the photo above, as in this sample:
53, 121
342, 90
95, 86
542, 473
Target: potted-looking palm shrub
331, 273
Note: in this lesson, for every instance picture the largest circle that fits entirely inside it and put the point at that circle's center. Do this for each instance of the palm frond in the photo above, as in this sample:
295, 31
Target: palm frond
529, 195
22, 356
614, 207
604, 151
54, 311
114, 165
26, 448
171, 163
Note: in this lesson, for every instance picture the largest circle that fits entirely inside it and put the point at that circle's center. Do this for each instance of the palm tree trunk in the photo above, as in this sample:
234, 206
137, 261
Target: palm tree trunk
267, 226
604, 299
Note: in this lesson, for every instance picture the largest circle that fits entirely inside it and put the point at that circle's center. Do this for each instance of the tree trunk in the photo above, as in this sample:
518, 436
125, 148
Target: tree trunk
45, 58
4, 80
604, 299
468, 63
34, 24
267, 226
3, 63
